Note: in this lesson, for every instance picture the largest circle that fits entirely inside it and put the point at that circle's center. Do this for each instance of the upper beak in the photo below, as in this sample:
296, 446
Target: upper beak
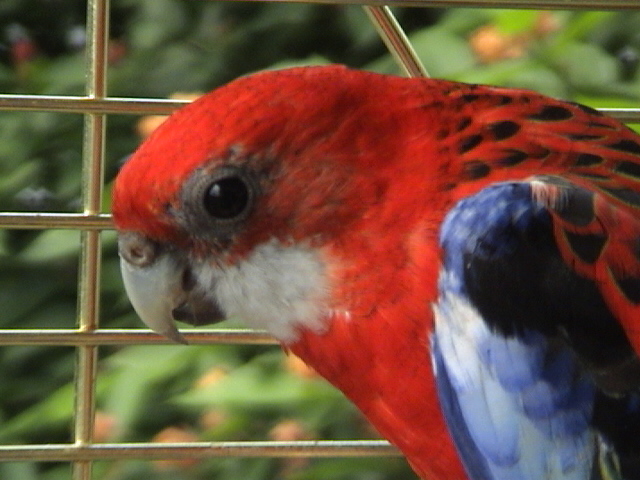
162, 288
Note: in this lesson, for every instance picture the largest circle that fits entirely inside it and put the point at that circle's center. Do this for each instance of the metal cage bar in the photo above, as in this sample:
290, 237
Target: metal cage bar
527, 4
118, 451
396, 41
144, 106
90, 253
129, 336
88, 104
88, 336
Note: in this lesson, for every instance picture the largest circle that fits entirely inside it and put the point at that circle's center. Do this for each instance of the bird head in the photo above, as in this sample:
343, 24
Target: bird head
257, 200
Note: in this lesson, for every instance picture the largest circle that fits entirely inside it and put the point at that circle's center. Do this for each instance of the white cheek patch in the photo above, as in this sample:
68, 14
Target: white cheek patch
277, 288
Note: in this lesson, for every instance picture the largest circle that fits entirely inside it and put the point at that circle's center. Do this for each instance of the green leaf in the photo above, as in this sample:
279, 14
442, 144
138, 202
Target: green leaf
52, 245
515, 21
585, 64
451, 56
21, 470
583, 24
157, 22
463, 21
53, 411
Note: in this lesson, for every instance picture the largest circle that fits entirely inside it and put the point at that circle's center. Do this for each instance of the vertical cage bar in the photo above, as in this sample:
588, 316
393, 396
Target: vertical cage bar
89, 274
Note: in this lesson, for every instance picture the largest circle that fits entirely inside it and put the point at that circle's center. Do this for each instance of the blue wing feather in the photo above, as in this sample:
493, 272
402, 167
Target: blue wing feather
474, 461
516, 395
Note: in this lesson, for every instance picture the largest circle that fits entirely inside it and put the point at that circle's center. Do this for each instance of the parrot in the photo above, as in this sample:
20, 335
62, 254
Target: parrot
462, 261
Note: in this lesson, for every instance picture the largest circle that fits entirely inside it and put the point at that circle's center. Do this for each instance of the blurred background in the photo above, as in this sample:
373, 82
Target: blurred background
180, 49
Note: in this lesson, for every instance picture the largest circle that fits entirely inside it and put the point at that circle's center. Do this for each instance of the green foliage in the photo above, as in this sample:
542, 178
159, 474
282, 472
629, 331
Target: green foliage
158, 48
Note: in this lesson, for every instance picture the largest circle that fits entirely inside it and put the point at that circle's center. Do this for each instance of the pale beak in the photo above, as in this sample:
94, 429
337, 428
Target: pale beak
161, 287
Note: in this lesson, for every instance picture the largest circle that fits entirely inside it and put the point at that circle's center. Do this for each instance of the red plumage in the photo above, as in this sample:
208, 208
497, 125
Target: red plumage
364, 168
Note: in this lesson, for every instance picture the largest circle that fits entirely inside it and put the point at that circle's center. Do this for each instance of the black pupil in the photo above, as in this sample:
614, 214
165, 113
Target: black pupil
226, 198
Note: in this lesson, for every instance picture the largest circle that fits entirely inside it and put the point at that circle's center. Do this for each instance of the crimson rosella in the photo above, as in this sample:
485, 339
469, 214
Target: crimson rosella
462, 261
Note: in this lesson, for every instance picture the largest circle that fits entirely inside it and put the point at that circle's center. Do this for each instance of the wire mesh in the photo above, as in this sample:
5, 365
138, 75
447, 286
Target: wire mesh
88, 335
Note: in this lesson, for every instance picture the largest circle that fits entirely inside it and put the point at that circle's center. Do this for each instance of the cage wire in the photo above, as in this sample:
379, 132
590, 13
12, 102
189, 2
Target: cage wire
88, 336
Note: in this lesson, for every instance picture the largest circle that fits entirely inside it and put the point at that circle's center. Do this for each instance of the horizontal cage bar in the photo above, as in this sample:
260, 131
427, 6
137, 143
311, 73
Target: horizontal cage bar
541, 4
156, 451
70, 104
104, 336
140, 106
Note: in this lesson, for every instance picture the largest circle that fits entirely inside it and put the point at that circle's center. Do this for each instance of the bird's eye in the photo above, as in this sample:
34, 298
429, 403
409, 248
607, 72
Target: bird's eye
227, 198
215, 202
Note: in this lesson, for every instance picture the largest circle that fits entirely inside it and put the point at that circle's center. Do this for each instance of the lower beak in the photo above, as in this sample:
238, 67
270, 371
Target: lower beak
162, 288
